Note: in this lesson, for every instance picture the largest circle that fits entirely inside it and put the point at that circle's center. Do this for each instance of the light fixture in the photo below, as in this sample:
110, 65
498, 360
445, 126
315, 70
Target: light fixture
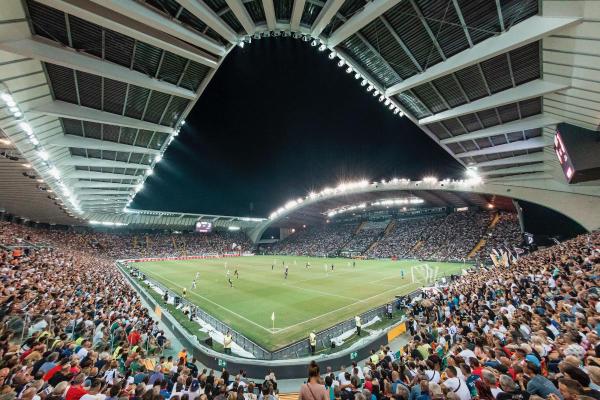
25, 127
381, 98
149, 172
43, 155
314, 43
332, 55
13, 109
341, 63
357, 76
322, 47
18, 114
387, 102
376, 93
349, 70
363, 82
391, 106
369, 88
158, 158
6, 97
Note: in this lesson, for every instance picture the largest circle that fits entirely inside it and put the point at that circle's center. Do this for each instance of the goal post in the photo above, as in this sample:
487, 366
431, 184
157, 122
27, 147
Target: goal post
424, 273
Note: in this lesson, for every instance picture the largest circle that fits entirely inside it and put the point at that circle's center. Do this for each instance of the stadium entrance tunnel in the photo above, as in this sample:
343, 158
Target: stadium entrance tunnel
576, 206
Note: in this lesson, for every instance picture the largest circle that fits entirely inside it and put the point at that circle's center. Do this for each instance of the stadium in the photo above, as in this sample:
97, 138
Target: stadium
312, 199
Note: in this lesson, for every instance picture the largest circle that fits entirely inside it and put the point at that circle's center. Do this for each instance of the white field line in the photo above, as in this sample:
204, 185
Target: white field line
341, 308
278, 330
220, 306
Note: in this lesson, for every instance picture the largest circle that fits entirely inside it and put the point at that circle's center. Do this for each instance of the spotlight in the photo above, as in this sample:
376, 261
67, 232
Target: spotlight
241, 44
349, 70
6, 97
387, 102
381, 98
305, 38
363, 82
369, 88
392, 106
341, 63
396, 110
314, 43
18, 114
376, 93
13, 109
332, 55
158, 158
322, 47
357, 76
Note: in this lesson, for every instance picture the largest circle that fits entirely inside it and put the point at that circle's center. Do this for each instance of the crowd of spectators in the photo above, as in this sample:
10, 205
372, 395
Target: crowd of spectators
73, 329
368, 234
529, 331
404, 237
506, 234
129, 245
455, 237
319, 240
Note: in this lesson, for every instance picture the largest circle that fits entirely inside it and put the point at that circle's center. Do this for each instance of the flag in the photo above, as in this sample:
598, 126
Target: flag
273, 316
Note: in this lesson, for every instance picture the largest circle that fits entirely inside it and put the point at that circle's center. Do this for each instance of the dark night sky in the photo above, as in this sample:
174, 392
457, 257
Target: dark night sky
280, 119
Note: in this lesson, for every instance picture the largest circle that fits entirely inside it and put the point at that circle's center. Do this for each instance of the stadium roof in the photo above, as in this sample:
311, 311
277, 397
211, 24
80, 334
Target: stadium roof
102, 87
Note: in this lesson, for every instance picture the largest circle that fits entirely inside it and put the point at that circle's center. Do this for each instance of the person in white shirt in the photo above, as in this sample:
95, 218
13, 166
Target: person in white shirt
456, 384
94, 391
490, 379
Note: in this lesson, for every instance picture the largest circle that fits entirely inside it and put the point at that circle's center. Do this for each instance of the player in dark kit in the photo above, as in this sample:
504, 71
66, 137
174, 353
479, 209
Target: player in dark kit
332, 267
236, 274
230, 283
285, 273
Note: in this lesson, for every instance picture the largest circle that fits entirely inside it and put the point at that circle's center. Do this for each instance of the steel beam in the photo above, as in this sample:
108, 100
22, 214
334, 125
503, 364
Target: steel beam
79, 174
269, 9
201, 10
325, 16
92, 184
525, 158
522, 169
530, 30
101, 192
297, 11
125, 25
372, 10
97, 144
51, 52
529, 144
241, 13
63, 109
533, 122
100, 162
525, 91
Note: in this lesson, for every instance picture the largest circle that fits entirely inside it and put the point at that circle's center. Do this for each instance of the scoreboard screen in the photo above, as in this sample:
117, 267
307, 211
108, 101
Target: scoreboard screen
577, 151
203, 227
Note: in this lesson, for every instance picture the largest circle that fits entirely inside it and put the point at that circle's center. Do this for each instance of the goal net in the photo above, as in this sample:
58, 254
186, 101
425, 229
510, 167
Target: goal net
423, 274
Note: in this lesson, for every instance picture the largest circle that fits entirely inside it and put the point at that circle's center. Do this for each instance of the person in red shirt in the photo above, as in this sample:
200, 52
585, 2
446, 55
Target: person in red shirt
55, 369
134, 337
76, 390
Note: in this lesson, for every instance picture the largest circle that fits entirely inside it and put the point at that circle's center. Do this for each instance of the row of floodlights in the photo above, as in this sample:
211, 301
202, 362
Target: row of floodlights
17, 113
342, 63
379, 203
472, 179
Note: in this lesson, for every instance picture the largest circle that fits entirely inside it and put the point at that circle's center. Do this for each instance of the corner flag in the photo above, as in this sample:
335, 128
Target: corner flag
273, 316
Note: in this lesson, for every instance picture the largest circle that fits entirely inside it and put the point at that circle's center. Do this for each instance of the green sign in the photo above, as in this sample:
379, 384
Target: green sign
222, 363
354, 355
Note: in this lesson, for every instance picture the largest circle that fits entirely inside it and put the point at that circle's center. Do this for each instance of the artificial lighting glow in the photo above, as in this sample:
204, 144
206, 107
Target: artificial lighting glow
381, 98
430, 179
490, 206
349, 70
471, 172
40, 180
341, 63
43, 155
241, 44
369, 88
33, 140
233, 228
26, 165
13, 109
6, 97
5, 141
387, 102
11, 103
158, 158
149, 172
363, 82
322, 47
314, 43
26, 127
17, 114
332, 55
376, 93
357, 76
54, 172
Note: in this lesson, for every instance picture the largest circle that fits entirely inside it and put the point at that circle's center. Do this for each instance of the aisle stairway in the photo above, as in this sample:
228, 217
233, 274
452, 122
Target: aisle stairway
477, 247
482, 241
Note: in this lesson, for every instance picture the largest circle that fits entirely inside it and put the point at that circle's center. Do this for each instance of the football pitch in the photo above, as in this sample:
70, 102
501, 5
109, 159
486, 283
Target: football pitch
312, 298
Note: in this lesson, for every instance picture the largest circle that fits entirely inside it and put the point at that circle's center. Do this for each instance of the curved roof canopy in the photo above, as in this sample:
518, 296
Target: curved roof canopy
95, 90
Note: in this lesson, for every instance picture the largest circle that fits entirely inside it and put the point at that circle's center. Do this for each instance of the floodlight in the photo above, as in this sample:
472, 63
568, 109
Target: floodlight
363, 82
381, 98
6, 97
26, 127
369, 88
43, 155
322, 47
349, 70
376, 93
241, 44
387, 102
18, 114
341, 63
357, 76
158, 158
332, 55
13, 109
11, 103
305, 38
314, 43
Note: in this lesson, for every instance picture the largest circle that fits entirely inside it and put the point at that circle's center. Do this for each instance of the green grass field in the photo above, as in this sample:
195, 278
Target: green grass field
308, 299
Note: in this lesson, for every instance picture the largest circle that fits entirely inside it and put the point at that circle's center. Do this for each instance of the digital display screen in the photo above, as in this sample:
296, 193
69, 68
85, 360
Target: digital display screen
203, 226
563, 156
